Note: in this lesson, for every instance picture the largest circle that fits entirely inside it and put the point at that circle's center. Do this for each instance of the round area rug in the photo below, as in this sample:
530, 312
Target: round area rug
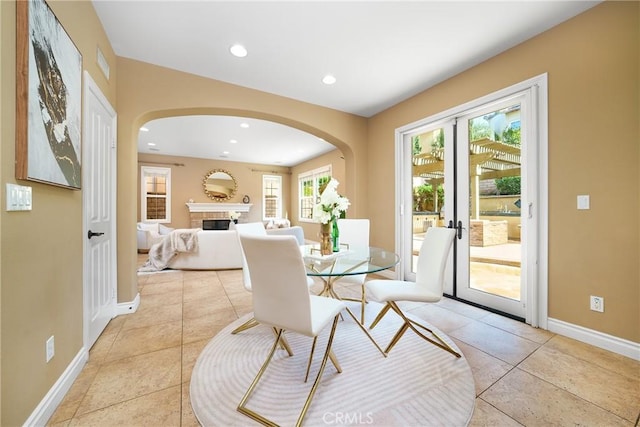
417, 384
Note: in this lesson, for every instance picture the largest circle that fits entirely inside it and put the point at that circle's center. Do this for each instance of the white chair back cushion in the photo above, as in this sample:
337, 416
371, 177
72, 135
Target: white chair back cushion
248, 229
432, 259
279, 282
355, 233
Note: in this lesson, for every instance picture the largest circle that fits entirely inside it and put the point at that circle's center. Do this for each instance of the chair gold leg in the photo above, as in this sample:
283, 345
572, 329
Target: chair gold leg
335, 362
284, 344
246, 325
313, 348
380, 315
396, 337
327, 352
332, 357
241, 406
364, 301
253, 322
409, 323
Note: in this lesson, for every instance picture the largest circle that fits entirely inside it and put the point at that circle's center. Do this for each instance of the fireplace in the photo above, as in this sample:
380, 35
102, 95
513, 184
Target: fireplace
215, 216
215, 224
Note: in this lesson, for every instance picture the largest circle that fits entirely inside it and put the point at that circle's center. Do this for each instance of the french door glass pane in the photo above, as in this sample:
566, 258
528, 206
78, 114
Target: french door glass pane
494, 202
428, 185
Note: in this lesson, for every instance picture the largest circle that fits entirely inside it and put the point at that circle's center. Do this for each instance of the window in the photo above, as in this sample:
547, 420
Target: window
271, 197
155, 195
309, 184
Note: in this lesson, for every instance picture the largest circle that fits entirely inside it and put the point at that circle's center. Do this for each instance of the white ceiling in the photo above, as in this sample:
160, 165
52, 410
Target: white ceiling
381, 52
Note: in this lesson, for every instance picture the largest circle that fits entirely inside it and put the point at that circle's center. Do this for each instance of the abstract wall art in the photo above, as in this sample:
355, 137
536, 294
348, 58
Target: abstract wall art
49, 98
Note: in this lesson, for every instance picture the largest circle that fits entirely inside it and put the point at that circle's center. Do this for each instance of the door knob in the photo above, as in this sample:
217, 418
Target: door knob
90, 234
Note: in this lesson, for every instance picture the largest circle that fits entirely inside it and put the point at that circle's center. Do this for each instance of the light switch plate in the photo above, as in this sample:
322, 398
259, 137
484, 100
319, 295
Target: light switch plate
18, 197
583, 202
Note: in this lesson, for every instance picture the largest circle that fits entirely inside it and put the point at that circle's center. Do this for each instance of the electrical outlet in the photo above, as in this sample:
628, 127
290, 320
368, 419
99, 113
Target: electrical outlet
597, 304
51, 348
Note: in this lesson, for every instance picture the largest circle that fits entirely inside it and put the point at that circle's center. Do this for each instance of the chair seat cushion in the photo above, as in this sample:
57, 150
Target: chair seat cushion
399, 290
323, 310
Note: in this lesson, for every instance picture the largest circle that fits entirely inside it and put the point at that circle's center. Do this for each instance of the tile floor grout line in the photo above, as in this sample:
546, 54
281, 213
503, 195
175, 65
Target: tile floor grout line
499, 410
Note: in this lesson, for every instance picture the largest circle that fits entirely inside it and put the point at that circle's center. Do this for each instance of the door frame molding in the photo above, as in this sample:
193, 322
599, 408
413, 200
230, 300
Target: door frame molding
91, 88
537, 296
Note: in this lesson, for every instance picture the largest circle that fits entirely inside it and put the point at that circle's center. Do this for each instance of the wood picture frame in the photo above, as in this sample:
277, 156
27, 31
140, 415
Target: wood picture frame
48, 98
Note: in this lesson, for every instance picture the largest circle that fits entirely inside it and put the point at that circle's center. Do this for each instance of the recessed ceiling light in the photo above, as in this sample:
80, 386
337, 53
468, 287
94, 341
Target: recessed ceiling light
151, 144
238, 50
244, 125
328, 79
225, 152
233, 141
144, 129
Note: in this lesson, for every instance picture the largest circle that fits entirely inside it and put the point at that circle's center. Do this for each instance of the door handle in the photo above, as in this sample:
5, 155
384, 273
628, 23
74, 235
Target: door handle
459, 228
91, 234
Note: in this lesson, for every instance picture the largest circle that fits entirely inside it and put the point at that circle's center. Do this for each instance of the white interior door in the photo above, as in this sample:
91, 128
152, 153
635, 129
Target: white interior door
99, 203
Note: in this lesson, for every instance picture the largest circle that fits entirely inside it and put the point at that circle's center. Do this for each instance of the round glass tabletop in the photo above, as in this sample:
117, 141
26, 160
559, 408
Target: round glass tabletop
347, 262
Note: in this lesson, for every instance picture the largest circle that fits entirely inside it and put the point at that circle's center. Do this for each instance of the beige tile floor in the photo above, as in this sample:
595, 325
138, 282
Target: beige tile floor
139, 369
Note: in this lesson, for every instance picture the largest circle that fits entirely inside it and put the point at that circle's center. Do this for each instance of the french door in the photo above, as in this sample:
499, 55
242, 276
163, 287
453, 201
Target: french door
476, 169
489, 204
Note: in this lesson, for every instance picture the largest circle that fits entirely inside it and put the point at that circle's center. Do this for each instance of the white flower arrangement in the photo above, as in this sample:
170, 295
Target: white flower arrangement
234, 215
331, 205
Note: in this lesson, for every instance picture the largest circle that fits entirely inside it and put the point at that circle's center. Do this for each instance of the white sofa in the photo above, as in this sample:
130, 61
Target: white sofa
217, 250
220, 250
150, 233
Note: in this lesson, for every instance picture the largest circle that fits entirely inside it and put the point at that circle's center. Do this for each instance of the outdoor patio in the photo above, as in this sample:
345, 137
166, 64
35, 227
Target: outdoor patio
493, 269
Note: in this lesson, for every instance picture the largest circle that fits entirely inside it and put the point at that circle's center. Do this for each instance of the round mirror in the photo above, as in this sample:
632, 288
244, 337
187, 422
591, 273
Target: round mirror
219, 185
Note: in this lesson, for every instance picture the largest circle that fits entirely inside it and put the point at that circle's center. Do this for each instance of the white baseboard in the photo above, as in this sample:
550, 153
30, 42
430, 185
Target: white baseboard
608, 342
128, 307
45, 409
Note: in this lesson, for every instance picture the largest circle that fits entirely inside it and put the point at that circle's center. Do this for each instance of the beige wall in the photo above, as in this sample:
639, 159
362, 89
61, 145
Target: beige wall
592, 63
140, 100
186, 183
41, 264
592, 66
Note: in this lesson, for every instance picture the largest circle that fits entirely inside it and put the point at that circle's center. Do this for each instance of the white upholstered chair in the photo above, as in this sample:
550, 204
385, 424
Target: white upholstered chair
296, 231
428, 286
281, 299
253, 229
150, 233
247, 229
354, 233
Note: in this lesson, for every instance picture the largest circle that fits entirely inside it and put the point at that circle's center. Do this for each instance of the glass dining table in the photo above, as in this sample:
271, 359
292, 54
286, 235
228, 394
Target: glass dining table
349, 261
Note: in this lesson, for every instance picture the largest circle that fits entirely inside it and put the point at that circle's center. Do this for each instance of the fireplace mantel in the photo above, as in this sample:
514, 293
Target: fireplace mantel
219, 207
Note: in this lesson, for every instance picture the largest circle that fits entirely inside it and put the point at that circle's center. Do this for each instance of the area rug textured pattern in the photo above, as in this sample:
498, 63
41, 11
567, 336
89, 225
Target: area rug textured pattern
418, 384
